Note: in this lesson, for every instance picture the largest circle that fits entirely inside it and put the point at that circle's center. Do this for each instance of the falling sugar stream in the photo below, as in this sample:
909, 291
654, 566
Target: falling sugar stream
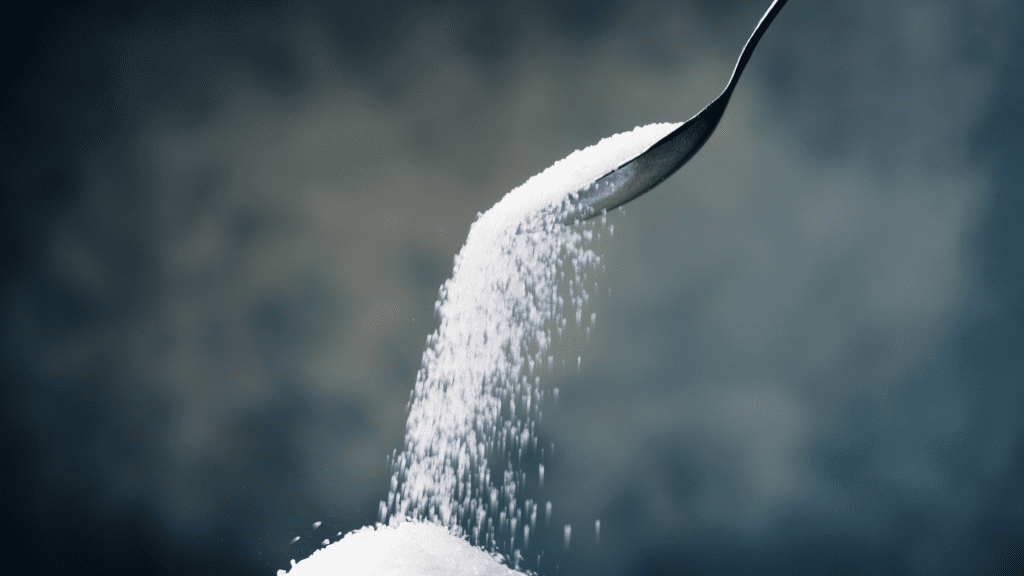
477, 399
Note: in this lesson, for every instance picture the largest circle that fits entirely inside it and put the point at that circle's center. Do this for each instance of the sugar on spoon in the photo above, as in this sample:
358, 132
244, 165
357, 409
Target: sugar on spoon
651, 167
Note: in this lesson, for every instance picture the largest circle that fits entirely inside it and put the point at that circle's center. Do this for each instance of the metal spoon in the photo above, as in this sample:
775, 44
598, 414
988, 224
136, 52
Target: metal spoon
658, 162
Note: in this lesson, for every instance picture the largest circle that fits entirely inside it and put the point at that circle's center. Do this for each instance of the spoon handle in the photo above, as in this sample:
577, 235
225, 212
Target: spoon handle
748, 48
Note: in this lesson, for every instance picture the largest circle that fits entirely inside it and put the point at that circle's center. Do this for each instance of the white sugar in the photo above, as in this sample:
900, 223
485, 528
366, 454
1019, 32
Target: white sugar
411, 548
476, 397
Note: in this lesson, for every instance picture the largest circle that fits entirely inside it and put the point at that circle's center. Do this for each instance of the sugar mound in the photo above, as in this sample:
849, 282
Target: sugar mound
408, 549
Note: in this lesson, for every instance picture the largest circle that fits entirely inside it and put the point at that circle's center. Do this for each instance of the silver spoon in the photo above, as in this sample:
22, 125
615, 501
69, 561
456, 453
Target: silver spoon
653, 166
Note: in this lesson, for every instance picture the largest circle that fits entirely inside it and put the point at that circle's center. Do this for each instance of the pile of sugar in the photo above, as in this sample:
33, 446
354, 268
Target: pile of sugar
419, 548
477, 398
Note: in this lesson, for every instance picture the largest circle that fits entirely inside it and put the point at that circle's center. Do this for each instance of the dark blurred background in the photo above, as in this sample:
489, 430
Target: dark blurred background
224, 226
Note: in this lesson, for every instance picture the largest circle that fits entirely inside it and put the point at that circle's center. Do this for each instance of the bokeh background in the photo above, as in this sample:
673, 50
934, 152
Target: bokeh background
224, 226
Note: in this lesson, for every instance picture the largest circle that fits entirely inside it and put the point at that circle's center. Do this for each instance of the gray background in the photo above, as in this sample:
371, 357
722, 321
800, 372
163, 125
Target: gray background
224, 227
